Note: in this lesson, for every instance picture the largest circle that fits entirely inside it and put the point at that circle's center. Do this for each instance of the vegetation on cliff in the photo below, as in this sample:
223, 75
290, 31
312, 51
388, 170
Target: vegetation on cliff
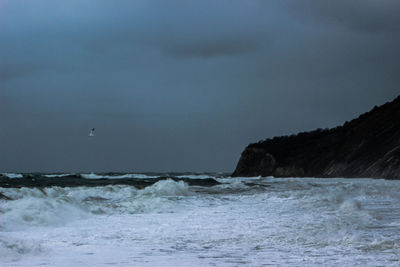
368, 146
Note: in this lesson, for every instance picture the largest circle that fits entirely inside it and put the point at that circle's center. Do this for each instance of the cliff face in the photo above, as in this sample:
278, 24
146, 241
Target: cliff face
368, 146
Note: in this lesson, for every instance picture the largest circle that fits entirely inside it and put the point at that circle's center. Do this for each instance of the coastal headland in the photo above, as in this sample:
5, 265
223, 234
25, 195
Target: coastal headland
368, 146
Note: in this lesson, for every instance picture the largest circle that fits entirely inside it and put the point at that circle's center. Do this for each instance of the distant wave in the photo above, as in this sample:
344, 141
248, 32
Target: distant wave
12, 175
56, 175
122, 176
92, 179
116, 175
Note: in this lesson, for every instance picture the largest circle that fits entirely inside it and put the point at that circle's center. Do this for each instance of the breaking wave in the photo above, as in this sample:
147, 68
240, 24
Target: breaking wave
12, 175
227, 221
57, 205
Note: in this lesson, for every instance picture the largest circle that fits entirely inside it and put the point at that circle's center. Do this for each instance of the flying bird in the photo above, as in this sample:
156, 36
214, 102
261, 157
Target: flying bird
91, 132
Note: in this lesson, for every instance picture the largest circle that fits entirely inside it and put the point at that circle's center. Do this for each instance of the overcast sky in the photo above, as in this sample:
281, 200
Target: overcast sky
183, 85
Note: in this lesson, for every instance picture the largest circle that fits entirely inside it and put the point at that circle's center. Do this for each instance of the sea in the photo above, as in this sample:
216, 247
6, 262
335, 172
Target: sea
197, 219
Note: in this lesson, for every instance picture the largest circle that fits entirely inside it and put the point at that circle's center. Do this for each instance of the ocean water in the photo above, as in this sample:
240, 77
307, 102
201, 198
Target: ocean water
177, 220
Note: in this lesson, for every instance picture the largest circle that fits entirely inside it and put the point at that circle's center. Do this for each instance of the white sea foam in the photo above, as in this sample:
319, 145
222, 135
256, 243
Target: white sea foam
57, 175
167, 188
132, 175
129, 175
12, 175
16, 248
196, 176
91, 176
245, 221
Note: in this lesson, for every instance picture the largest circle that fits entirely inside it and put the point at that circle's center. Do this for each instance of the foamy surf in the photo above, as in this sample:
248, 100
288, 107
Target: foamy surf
239, 221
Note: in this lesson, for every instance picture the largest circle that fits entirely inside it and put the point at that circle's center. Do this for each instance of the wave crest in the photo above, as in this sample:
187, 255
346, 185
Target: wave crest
167, 187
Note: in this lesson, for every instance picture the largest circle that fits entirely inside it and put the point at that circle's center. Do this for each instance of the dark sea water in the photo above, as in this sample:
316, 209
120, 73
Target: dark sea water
186, 219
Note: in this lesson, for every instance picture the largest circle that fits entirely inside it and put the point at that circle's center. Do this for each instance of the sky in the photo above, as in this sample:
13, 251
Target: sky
183, 85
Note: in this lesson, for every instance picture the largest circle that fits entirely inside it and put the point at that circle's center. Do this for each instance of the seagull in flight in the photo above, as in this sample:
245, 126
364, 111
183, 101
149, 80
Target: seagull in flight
91, 132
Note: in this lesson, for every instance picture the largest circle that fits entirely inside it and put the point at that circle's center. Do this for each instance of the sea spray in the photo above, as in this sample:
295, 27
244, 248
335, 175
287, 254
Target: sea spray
239, 221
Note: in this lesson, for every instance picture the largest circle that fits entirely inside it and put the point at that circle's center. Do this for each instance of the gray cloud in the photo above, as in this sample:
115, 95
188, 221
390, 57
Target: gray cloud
212, 49
365, 15
177, 85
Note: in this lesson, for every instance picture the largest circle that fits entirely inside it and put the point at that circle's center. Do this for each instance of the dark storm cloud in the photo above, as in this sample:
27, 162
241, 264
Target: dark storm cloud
183, 85
212, 49
364, 15
9, 72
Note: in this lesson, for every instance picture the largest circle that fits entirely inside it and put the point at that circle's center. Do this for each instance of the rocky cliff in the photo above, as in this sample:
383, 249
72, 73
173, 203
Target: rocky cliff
368, 146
